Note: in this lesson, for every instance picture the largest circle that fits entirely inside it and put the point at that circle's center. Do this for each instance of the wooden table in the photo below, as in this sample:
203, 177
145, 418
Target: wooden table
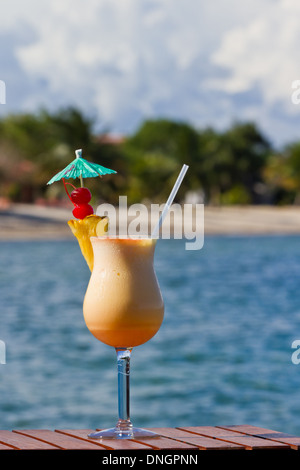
189, 439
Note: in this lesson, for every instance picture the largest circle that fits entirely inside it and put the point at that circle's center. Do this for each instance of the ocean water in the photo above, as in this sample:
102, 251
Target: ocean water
223, 355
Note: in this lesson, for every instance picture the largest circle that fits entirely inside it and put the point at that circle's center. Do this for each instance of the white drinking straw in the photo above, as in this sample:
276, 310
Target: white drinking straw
170, 200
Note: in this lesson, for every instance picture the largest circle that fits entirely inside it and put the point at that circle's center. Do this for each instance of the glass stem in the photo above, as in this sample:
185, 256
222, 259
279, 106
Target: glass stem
123, 361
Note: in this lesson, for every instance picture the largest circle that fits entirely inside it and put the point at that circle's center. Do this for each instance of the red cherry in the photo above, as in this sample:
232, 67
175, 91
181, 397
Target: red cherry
82, 210
81, 196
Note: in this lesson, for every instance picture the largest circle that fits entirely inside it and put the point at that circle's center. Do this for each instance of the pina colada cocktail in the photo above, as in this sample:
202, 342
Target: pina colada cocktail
123, 306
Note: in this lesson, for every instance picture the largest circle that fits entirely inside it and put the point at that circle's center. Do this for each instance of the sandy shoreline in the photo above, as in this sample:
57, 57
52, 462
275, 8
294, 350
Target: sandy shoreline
33, 222
252, 220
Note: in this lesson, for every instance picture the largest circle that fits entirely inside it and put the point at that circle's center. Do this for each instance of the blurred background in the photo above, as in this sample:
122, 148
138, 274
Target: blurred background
143, 86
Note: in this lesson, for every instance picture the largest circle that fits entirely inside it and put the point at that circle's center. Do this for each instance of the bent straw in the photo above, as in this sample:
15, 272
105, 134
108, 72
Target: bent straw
170, 200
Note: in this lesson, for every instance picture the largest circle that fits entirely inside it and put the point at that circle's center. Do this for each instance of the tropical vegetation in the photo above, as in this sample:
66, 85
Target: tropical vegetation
236, 166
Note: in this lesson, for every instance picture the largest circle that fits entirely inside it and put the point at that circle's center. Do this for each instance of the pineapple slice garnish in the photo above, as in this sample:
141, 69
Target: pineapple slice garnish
91, 226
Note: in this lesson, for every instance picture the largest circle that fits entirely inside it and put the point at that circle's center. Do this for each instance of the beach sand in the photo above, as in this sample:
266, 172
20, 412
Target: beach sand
22, 221
252, 220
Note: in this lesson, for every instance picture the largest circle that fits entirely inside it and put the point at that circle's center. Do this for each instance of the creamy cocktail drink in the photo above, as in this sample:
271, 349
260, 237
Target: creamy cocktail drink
123, 306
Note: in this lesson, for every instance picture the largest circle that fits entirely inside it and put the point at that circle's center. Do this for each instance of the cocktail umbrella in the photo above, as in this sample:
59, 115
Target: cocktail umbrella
81, 168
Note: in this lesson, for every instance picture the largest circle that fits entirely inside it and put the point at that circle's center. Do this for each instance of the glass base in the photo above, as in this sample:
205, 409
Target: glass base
118, 433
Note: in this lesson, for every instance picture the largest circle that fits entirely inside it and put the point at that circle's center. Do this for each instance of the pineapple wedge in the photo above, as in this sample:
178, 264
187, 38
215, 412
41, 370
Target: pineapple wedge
91, 226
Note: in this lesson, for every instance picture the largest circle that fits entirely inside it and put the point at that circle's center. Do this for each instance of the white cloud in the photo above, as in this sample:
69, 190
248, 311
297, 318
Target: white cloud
206, 62
264, 54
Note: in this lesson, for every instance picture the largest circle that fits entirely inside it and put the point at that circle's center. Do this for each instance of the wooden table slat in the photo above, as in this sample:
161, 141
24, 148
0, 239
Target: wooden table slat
160, 442
277, 436
53, 438
202, 442
110, 444
232, 437
19, 441
6, 447
226, 434
163, 443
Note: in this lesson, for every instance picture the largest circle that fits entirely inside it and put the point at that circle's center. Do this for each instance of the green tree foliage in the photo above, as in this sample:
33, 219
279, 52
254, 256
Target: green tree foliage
155, 154
226, 166
282, 175
34, 147
232, 164
236, 166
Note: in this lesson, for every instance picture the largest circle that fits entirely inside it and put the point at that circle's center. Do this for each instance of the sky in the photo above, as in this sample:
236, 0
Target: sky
207, 63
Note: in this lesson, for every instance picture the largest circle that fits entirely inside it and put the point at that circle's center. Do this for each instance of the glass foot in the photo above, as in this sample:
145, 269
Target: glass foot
118, 433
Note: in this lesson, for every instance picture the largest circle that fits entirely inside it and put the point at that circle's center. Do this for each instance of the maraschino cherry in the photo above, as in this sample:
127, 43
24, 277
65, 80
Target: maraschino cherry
80, 211
80, 197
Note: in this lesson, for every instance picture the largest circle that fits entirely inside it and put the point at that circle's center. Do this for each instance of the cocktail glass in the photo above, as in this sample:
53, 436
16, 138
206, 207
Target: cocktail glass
123, 308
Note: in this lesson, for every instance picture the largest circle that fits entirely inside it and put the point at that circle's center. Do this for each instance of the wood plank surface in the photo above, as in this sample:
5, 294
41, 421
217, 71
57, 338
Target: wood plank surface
190, 438
204, 443
60, 441
18, 441
277, 436
226, 434
145, 443
110, 444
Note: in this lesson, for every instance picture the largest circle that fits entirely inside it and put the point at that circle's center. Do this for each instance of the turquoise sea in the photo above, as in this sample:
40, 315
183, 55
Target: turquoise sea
223, 355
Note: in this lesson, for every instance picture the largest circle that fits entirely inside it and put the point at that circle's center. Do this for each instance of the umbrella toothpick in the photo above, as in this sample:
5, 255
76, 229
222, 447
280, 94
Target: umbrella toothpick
81, 168
78, 154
